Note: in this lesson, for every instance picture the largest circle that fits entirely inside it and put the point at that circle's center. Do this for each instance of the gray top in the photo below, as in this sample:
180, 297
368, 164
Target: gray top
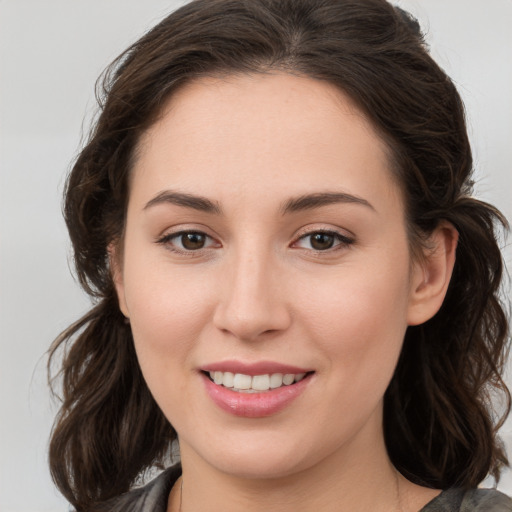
153, 498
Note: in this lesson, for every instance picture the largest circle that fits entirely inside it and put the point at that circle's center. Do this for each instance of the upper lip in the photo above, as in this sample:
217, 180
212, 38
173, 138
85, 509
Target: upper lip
256, 368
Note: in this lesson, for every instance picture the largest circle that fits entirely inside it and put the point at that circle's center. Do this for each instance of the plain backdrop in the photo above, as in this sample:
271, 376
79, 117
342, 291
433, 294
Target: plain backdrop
51, 53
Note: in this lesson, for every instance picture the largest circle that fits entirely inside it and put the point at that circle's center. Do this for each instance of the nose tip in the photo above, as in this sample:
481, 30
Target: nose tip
251, 318
251, 306
249, 328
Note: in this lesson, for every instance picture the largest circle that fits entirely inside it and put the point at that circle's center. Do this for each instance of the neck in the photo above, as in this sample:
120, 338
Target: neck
358, 477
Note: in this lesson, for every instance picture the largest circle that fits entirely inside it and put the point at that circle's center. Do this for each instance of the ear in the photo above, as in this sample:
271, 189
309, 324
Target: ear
431, 276
116, 269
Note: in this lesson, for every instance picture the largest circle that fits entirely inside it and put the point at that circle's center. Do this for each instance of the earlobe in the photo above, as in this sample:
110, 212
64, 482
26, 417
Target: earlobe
431, 276
115, 262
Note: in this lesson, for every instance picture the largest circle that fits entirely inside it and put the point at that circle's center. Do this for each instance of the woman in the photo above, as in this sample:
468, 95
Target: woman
294, 285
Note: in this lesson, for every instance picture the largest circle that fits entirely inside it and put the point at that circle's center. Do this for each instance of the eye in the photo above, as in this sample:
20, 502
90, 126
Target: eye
322, 241
187, 241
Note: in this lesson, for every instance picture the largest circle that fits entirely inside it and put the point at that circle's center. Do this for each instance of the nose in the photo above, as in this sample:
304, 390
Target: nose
251, 302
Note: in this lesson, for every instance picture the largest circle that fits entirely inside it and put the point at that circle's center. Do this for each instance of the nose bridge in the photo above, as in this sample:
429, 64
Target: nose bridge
251, 302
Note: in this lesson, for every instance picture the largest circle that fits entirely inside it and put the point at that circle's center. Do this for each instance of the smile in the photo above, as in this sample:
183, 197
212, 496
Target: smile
255, 390
243, 383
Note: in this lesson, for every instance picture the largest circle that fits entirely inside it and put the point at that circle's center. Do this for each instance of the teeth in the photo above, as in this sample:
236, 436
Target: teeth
242, 381
248, 384
228, 379
276, 380
261, 382
288, 379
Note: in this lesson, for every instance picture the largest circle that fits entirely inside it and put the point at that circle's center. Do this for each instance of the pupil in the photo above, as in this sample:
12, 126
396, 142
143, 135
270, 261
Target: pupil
322, 241
192, 241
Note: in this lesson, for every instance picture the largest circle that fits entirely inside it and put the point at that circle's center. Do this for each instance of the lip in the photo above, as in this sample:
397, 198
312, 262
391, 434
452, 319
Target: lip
255, 405
252, 369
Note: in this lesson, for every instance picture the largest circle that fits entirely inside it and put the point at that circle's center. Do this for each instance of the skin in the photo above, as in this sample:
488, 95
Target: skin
257, 290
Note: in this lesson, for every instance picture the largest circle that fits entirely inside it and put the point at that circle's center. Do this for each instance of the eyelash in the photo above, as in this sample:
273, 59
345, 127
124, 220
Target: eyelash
166, 240
343, 241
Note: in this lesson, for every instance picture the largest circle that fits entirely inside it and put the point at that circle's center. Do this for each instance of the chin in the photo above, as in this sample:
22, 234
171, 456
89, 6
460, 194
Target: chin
262, 466
256, 456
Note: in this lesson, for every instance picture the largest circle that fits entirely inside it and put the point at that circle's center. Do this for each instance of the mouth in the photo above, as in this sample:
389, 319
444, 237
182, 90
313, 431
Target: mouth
255, 391
243, 383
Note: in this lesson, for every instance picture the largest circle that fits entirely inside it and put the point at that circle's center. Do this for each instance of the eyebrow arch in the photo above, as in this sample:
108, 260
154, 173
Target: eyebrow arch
319, 199
199, 203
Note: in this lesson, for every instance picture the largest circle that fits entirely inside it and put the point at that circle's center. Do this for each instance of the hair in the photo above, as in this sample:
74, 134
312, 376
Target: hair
440, 427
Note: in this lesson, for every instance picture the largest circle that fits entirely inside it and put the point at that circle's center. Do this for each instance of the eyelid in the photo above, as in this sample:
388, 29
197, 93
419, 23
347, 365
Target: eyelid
173, 233
181, 232
342, 237
185, 227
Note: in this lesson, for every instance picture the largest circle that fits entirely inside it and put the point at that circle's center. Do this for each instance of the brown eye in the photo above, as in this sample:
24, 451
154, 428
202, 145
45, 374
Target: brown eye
321, 241
187, 241
192, 241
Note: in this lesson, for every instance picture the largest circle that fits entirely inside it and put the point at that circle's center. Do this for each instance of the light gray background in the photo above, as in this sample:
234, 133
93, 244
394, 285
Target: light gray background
50, 55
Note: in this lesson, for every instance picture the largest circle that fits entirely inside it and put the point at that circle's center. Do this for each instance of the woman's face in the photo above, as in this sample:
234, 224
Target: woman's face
265, 240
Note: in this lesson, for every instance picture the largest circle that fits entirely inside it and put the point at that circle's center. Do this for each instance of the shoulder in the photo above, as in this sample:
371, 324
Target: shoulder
470, 500
150, 498
489, 500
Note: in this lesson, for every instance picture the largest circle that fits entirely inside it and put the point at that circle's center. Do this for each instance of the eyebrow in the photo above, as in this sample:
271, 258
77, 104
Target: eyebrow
304, 202
317, 200
199, 203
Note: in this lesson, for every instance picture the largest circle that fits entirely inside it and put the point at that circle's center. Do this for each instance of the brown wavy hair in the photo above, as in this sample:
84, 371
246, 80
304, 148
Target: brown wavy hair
440, 427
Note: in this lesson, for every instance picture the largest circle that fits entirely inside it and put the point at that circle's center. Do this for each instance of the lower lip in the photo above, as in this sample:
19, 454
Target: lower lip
255, 405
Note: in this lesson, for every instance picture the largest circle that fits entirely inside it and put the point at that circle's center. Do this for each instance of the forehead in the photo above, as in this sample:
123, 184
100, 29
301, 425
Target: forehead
244, 131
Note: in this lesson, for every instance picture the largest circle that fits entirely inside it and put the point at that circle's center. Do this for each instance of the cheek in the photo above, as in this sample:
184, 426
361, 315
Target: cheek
167, 310
359, 320
167, 316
